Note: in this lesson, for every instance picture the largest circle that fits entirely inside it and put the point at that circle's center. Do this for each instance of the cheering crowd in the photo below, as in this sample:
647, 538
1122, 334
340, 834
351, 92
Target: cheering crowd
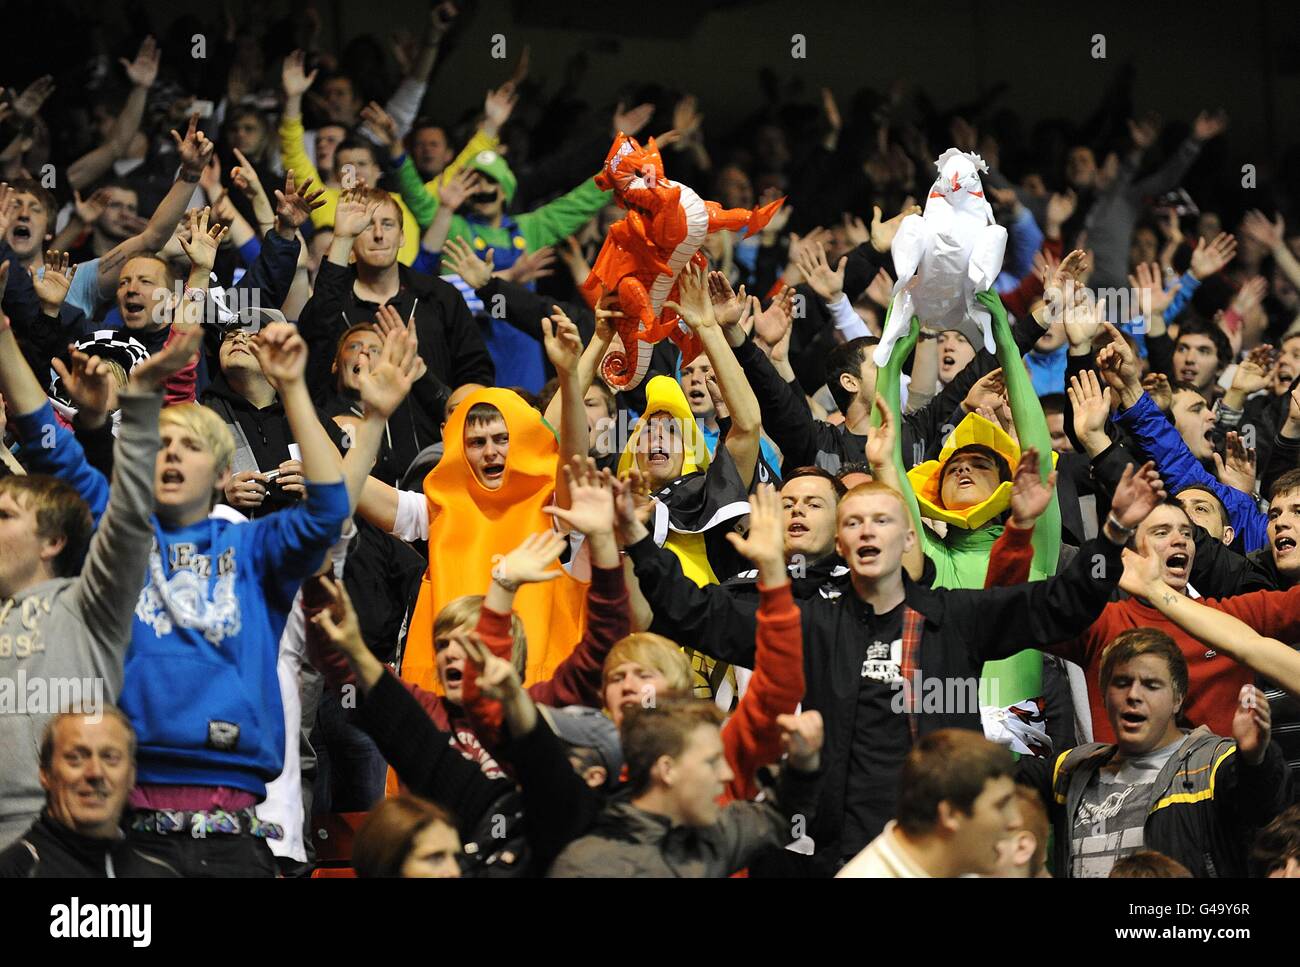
323, 493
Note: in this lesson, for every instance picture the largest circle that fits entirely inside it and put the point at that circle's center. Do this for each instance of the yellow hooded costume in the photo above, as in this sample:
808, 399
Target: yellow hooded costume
470, 527
712, 508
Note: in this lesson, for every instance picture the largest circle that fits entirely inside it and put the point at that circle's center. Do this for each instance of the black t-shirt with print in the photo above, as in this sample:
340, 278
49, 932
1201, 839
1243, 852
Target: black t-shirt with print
881, 737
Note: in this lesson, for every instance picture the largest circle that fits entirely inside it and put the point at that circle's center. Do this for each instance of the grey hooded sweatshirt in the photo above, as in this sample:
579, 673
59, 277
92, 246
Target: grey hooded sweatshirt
64, 641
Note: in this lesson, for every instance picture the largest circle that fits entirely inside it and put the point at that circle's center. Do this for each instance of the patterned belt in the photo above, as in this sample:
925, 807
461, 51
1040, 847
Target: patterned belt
200, 825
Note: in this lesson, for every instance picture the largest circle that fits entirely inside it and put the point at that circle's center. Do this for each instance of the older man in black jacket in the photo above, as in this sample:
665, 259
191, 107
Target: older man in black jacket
87, 771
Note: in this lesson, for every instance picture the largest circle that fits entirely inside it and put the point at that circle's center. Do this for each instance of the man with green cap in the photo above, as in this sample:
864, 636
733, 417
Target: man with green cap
484, 224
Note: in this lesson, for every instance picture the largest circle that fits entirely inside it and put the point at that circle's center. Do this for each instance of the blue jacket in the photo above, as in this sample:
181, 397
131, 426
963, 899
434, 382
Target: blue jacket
200, 682
1180, 470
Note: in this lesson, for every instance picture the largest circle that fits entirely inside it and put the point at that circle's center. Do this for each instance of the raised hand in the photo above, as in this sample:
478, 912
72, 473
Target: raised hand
356, 209
530, 562
294, 205
633, 507
989, 390
591, 499
194, 149
1142, 574
1157, 386
765, 542
1252, 724
1137, 494
497, 678
150, 374
143, 71
1060, 209
1030, 494
881, 439
1209, 124
1091, 405
828, 283
1238, 470
282, 354
1209, 258
35, 94
631, 120
1250, 295
1255, 371
387, 381
90, 384
381, 123
1144, 131
90, 210
563, 344
772, 325
453, 191
1119, 364
694, 306
295, 80
498, 106
1259, 229
727, 303
882, 233
339, 619
201, 248
1153, 297
531, 266
244, 176
52, 282
459, 256
687, 120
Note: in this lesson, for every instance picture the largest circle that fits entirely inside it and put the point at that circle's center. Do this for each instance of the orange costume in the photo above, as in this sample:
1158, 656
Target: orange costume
471, 527
665, 225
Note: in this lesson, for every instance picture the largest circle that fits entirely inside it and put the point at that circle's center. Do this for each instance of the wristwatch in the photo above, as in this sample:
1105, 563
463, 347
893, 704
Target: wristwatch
1126, 532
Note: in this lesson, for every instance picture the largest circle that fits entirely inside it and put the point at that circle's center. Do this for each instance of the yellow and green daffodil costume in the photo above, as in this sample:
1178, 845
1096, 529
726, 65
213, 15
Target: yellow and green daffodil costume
961, 559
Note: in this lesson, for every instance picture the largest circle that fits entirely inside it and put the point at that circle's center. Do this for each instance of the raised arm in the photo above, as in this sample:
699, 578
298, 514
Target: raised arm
564, 349
141, 72
881, 451
194, 151
1217, 629
696, 309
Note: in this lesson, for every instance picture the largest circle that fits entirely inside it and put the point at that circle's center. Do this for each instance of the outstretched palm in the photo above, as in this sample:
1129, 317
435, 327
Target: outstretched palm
1030, 494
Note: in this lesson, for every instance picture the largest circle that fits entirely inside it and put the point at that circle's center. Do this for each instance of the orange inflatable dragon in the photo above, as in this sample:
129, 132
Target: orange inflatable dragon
643, 254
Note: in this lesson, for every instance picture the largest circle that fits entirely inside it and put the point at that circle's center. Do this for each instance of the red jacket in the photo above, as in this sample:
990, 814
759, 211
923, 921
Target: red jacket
750, 736
1214, 680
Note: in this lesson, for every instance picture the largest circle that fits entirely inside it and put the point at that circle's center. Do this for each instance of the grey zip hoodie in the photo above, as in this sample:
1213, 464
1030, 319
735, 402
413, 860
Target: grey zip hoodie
66, 639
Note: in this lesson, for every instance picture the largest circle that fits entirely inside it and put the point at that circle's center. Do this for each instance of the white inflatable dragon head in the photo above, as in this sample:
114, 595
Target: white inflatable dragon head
959, 180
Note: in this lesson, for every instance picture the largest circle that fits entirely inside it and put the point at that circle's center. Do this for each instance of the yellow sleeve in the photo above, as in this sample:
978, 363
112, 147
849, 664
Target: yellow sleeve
410, 233
293, 155
480, 142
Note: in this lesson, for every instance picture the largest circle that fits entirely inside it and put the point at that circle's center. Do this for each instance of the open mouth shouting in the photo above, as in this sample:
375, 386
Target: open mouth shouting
1131, 721
1283, 547
796, 528
1187, 374
493, 471
22, 232
1177, 564
172, 479
867, 554
659, 457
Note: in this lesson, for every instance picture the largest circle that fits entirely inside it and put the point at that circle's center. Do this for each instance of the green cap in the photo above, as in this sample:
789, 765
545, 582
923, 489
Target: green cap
495, 167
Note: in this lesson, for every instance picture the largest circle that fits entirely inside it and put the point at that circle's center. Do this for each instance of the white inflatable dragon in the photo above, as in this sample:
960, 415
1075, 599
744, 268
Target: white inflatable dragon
946, 255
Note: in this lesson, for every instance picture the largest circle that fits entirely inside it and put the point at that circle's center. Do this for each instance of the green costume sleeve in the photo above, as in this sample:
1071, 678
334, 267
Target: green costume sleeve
422, 203
888, 384
559, 219
1031, 428
1020, 676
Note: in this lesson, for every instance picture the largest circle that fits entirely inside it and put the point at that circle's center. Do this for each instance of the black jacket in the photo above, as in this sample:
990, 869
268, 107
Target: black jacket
266, 430
1204, 805
50, 849
450, 344
962, 630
